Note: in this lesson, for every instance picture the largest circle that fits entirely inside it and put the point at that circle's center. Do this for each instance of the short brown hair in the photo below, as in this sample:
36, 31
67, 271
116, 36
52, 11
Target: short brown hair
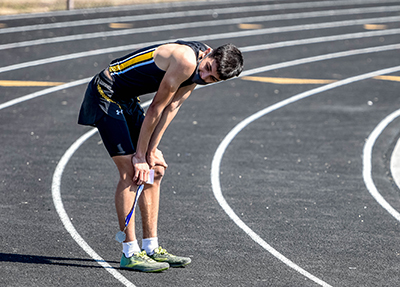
229, 61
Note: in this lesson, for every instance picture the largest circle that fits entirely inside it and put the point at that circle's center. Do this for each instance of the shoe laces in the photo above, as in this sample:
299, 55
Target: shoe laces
161, 251
143, 255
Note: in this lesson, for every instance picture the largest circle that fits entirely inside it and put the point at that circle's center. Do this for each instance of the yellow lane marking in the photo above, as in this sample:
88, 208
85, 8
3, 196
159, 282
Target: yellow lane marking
120, 25
272, 80
388, 78
250, 26
288, 80
28, 84
374, 27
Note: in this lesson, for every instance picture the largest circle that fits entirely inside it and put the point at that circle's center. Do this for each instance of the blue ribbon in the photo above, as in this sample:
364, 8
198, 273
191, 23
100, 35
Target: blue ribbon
138, 192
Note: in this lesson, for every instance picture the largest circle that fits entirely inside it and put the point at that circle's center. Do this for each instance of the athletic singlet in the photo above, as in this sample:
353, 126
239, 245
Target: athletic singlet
134, 75
137, 74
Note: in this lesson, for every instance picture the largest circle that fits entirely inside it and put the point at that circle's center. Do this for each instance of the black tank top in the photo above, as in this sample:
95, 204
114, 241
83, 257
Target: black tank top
137, 74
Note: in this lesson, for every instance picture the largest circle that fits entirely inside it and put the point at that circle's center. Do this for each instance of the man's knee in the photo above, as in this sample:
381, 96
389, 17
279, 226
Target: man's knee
125, 168
159, 172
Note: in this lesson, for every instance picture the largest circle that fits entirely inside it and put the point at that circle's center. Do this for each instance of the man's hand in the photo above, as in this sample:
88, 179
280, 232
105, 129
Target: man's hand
141, 170
156, 158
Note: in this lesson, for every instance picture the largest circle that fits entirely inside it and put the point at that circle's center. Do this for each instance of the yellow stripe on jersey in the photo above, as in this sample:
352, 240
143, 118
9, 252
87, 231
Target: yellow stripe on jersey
131, 63
106, 97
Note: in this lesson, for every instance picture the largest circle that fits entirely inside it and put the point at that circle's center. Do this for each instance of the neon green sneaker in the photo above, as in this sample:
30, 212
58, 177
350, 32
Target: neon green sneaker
141, 262
161, 255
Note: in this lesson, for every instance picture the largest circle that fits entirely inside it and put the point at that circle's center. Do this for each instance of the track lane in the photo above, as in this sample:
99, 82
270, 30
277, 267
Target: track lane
141, 276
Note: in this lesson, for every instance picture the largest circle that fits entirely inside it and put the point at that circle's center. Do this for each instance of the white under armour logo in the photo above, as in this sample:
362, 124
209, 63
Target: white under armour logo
119, 112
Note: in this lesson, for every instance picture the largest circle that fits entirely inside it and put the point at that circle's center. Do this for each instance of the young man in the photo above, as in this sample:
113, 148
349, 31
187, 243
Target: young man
111, 103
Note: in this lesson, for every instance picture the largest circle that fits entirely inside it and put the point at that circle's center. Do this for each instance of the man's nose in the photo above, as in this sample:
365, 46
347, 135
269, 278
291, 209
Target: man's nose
205, 75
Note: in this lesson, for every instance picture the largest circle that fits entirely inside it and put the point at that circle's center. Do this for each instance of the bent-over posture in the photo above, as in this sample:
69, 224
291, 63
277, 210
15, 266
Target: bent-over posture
111, 104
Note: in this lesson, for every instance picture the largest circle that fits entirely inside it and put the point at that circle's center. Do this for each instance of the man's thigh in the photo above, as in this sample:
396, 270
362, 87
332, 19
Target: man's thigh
116, 136
134, 116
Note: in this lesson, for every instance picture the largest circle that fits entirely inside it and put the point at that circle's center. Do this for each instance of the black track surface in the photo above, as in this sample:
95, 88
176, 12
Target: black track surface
293, 176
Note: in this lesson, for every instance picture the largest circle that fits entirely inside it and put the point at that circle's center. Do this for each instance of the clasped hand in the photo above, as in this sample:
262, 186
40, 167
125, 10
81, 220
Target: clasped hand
142, 166
141, 170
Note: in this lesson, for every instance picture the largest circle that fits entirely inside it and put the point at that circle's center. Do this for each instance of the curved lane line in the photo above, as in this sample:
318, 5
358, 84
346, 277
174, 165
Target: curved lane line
367, 164
154, 6
395, 163
253, 235
199, 38
237, 34
134, 18
44, 92
57, 200
135, 7
245, 73
60, 168
215, 166
57, 180
222, 11
65, 219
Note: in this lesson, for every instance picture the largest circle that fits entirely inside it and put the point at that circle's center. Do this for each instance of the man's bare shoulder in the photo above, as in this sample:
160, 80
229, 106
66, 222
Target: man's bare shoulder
177, 54
184, 54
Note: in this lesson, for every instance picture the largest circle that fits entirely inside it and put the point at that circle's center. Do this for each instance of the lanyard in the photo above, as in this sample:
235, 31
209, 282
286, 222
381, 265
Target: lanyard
138, 192
121, 236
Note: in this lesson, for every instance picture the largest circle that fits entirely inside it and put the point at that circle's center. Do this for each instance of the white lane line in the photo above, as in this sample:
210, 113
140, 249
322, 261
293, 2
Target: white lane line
367, 164
237, 34
172, 15
244, 227
215, 167
57, 175
56, 194
245, 73
324, 39
395, 164
65, 219
136, 7
200, 38
321, 58
43, 93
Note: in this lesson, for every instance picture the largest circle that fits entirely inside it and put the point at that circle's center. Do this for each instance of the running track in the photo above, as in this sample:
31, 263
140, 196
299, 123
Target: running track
280, 178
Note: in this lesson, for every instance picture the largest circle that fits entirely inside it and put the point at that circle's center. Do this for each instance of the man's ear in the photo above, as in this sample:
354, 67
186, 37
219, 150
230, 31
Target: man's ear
205, 53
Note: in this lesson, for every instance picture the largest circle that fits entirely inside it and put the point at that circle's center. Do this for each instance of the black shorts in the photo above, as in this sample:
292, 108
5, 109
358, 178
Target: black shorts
118, 123
119, 137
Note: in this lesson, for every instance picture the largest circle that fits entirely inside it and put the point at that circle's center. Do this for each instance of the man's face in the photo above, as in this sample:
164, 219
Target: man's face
208, 70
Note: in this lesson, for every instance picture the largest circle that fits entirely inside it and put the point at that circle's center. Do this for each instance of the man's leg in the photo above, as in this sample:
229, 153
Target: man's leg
124, 198
148, 201
116, 138
149, 207
149, 204
125, 195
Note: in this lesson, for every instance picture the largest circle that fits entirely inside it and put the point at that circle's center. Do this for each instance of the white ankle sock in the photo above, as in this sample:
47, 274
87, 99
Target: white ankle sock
130, 247
149, 244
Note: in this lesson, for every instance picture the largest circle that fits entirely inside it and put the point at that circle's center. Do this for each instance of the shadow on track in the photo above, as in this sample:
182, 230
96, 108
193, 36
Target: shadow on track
63, 261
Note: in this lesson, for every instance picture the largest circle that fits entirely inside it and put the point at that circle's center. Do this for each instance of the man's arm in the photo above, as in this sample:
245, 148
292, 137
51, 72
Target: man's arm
167, 116
181, 66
